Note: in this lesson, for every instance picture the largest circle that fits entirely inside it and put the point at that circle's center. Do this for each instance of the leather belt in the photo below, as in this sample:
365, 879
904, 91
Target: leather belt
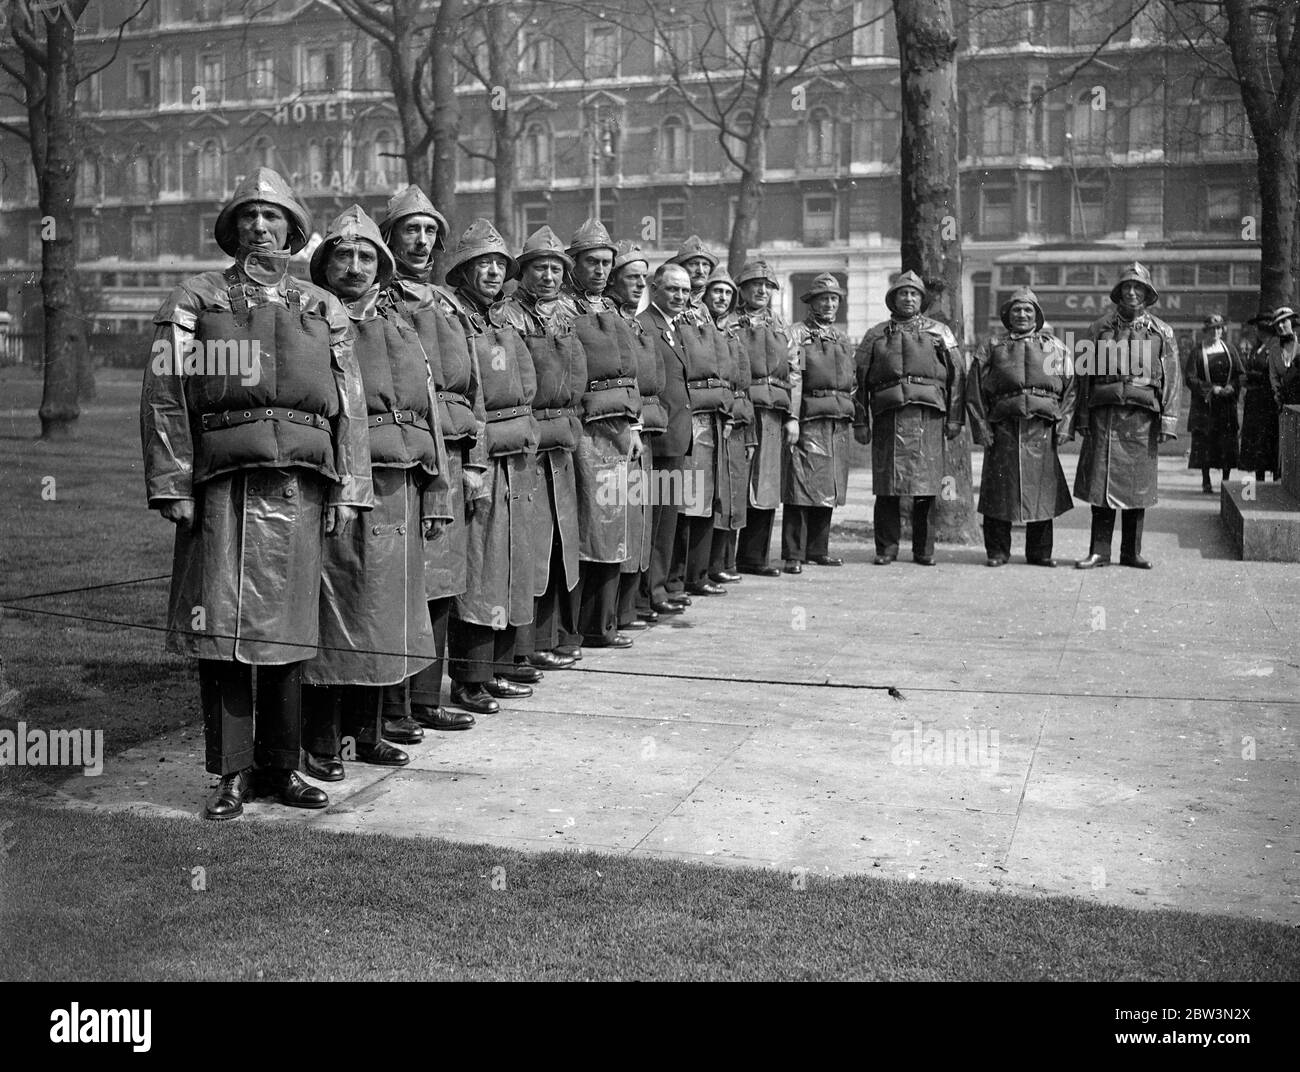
605, 385
827, 392
551, 414
452, 396
774, 381
710, 381
931, 380
1044, 392
398, 416
230, 418
495, 415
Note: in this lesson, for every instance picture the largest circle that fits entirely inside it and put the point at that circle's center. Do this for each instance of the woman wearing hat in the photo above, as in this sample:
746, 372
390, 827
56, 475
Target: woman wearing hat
1283, 368
1128, 405
1020, 401
815, 473
1259, 416
1213, 376
252, 470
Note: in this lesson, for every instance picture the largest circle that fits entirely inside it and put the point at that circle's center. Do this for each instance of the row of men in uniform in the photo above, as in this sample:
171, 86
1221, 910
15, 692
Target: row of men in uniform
433, 476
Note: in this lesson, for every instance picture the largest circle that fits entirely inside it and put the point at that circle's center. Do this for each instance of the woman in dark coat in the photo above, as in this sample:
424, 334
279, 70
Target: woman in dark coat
1214, 380
1258, 412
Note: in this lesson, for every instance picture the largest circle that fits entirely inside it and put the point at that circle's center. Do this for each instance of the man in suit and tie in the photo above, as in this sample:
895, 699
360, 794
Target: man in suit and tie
669, 295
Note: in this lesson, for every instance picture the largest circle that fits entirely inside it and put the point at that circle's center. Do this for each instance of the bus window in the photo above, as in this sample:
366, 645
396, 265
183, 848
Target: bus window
1180, 275
1245, 275
1212, 275
1015, 276
1047, 275
1080, 275
108, 279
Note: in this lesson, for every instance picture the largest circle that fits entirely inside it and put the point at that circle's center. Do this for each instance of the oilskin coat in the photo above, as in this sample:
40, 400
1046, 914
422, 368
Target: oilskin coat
246, 577
611, 404
775, 391
816, 472
707, 357
499, 565
1020, 396
442, 333
730, 504
654, 420
374, 620
911, 384
560, 366
1121, 411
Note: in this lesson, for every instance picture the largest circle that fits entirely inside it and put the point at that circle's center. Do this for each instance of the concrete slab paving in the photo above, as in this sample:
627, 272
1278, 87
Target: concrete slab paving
1126, 737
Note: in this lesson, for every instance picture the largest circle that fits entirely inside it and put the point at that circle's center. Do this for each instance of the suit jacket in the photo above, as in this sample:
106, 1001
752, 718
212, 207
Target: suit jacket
676, 441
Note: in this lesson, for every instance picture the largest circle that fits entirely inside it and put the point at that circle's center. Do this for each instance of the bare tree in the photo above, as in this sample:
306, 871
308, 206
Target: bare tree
46, 68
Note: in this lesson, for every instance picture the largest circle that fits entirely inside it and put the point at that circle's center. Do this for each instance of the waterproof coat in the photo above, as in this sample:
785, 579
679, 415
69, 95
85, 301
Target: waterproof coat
654, 421
775, 392
816, 472
1020, 395
911, 388
730, 506
1121, 411
499, 564
561, 369
246, 577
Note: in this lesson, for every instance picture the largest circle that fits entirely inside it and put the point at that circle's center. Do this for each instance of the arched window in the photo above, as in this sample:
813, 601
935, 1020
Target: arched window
141, 175
212, 169
1088, 121
88, 178
316, 176
819, 138
736, 143
262, 153
536, 157
383, 160
998, 129
673, 153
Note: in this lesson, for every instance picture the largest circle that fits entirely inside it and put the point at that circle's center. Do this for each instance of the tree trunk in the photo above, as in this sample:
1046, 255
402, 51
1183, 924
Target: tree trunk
931, 245
446, 116
1276, 164
415, 141
503, 61
744, 231
64, 334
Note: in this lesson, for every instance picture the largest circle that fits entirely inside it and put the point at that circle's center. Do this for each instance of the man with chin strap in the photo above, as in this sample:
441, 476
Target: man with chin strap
252, 469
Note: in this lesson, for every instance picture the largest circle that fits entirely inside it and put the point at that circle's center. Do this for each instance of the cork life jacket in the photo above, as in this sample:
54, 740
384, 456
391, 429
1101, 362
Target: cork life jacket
706, 357
768, 347
1018, 381
735, 371
450, 360
611, 389
394, 376
650, 375
505, 370
282, 419
907, 370
828, 377
1127, 365
559, 365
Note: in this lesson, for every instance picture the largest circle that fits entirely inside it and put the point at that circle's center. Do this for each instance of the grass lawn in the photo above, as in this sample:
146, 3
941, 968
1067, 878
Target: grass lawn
91, 896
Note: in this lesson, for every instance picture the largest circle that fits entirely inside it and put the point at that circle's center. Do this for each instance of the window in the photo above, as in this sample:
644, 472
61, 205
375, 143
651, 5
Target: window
673, 48
87, 240
536, 57
88, 94
144, 245
35, 247
207, 10
1037, 132
736, 142
1222, 207
1034, 207
383, 159
742, 33
602, 51
1079, 275
606, 141
879, 133
871, 27
320, 69
1091, 21
816, 24
212, 170
1179, 275
89, 179
819, 139
374, 67
998, 129
140, 174
1088, 124
1087, 210
1245, 275
672, 221
672, 153
171, 84
140, 82
261, 153
533, 217
1223, 126
1046, 275
170, 163
535, 155
1213, 275
261, 76
818, 218
1144, 118
212, 77
997, 210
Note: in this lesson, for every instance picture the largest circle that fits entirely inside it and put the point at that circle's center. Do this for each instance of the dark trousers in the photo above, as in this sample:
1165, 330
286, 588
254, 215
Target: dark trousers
805, 532
234, 739
691, 553
598, 614
889, 525
755, 538
722, 554
332, 712
1038, 539
663, 530
479, 652
1103, 531
631, 601
423, 688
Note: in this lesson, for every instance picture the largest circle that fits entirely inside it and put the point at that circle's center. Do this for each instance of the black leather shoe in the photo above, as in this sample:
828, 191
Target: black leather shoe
439, 718
569, 651
507, 690
323, 768
1050, 563
997, 560
664, 607
883, 560
1207, 489
760, 571
923, 560
227, 801
382, 754
404, 730
288, 788
473, 698
826, 560
724, 577
548, 660
792, 567
522, 674
619, 640
649, 616
1093, 561
706, 588
1134, 562
635, 624
680, 598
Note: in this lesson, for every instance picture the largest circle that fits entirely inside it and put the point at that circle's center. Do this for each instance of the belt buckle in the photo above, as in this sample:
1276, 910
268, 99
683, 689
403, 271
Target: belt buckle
397, 416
